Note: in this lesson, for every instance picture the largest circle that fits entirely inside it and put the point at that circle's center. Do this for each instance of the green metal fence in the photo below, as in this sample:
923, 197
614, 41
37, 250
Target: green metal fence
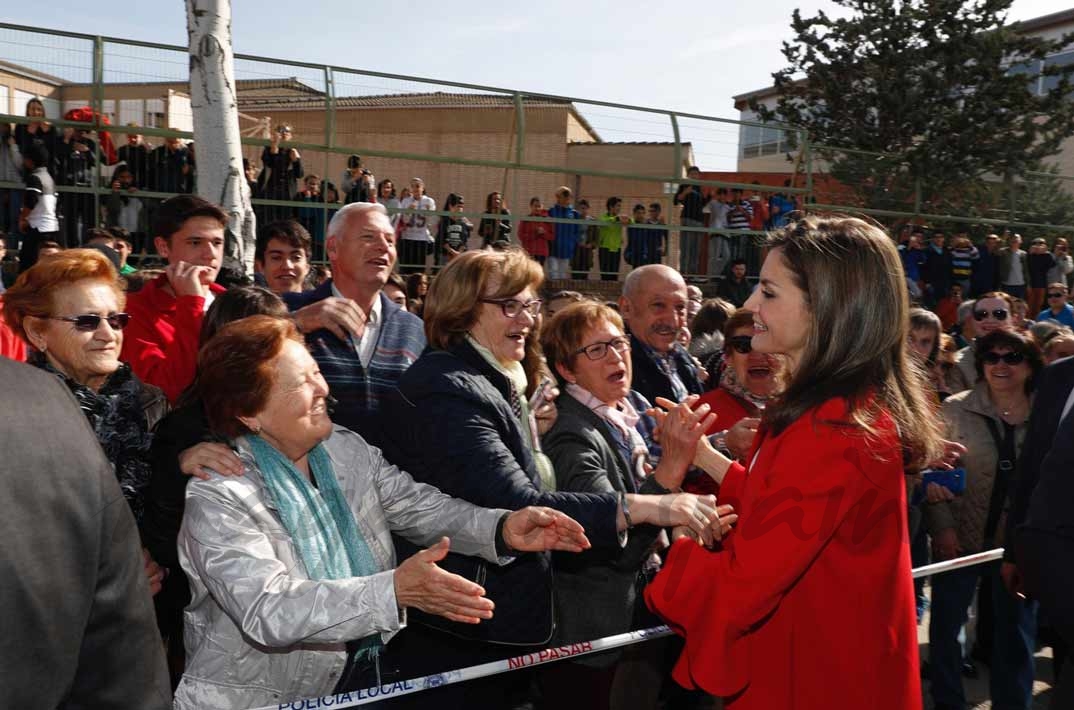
461, 138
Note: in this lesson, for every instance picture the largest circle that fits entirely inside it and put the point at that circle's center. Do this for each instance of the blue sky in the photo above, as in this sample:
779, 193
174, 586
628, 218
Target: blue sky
693, 60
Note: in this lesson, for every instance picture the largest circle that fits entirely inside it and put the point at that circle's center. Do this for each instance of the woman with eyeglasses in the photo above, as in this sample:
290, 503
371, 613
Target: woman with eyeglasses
596, 447
990, 420
69, 309
992, 311
748, 380
463, 421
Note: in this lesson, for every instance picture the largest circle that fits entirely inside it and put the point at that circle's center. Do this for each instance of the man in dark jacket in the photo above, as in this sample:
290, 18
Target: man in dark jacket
362, 341
735, 288
653, 305
1040, 525
78, 629
937, 270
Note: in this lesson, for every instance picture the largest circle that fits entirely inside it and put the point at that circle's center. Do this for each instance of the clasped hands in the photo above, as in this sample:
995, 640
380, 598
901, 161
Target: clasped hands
680, 432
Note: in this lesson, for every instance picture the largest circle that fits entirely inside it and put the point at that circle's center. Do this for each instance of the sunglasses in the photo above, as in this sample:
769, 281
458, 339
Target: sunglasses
1012, 358
1057, 295
997, 313
90, 322
741, 344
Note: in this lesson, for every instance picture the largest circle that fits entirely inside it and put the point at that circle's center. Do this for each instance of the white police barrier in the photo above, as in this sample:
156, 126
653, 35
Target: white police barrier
548, 655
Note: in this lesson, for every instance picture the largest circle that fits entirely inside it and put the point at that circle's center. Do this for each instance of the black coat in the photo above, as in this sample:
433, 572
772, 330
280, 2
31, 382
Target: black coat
453, 428
1045, 484
165, 500
651, 382
78, 617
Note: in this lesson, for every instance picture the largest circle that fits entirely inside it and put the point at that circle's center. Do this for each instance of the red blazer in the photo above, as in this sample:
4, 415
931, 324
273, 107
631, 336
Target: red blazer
161, 341
810, 604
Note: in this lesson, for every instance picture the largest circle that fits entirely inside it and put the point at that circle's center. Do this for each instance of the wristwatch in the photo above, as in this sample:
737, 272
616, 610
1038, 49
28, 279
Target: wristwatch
626, 509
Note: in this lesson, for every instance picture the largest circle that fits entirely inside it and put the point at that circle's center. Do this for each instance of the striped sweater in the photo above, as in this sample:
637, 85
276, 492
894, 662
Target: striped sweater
360, 391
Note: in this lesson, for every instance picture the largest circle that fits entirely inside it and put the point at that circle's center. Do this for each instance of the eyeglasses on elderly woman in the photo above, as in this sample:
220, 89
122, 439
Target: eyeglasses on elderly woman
89, 322
512, 308
598, 351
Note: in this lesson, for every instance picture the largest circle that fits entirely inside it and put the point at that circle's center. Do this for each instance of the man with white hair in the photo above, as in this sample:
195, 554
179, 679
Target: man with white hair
654, 305
362, 341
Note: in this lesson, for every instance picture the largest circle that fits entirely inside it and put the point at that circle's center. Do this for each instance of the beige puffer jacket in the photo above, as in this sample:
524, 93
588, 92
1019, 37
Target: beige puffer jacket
964, 413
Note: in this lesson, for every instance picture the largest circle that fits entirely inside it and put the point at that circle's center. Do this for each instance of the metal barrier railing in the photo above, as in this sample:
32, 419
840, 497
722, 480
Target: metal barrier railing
510, 155
366, 696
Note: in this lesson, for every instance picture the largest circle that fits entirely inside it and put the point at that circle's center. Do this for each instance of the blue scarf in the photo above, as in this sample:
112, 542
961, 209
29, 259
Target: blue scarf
320, 523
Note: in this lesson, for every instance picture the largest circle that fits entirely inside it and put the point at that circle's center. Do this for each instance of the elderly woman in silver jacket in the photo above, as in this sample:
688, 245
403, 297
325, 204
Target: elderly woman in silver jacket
291, 566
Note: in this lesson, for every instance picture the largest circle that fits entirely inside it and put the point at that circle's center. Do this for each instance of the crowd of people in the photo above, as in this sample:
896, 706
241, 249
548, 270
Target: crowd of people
42, 158
378, 471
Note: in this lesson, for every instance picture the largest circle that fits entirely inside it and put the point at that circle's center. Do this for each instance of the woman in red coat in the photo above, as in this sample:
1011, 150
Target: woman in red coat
810, 603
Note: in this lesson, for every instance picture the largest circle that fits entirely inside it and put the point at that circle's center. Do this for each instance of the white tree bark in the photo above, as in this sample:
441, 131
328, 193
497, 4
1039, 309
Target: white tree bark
215, 106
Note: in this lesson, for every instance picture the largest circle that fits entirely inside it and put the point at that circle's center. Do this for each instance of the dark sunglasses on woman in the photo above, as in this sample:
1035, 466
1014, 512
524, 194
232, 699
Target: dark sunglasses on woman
1012, 358
741, 344
90, 322
997, 313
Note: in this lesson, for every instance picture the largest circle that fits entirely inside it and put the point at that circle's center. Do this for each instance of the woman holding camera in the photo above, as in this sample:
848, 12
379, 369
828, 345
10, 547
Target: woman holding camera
810, 603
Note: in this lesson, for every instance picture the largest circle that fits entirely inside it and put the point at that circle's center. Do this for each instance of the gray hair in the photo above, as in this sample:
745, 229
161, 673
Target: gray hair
965, 310
347, 211
632, 283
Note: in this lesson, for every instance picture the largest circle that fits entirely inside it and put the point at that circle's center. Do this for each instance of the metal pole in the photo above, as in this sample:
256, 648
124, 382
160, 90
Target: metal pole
674, 245
330, 141
98, 109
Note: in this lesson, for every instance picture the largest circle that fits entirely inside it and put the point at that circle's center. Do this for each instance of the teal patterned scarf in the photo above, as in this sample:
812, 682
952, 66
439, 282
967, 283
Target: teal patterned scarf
320, 523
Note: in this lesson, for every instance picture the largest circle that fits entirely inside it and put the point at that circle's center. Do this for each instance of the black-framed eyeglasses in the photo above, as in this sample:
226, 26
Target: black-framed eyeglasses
997, 313
598, 351
512, 307
90, 322
1011, 358
1057, 294
741, 344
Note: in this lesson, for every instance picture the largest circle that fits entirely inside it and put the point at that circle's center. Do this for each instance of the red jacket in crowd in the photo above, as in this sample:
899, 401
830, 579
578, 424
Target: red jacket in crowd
161, 341
536, 236
11, 345
810, 602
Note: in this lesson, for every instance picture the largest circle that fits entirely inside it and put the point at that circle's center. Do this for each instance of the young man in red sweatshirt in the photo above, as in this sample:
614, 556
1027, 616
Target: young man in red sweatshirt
161, 341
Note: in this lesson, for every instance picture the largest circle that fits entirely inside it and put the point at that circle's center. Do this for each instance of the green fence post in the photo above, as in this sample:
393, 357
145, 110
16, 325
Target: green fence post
330, 141
98, 110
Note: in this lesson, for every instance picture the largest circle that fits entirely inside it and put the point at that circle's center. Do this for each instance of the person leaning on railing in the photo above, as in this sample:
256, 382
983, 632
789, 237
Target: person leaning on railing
294, 583
462, 421
990, 420
596, 447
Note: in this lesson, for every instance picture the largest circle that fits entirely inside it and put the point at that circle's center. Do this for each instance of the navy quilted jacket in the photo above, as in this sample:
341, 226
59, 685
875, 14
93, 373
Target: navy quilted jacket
452, 427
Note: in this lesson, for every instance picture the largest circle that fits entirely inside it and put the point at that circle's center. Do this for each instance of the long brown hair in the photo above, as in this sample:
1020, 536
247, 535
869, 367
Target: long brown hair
855, 291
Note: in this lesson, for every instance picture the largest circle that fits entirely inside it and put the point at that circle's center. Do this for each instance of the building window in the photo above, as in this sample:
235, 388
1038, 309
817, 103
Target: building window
758, 141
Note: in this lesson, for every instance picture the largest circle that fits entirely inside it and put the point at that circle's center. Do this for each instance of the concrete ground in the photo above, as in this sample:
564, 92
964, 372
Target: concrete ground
977, 695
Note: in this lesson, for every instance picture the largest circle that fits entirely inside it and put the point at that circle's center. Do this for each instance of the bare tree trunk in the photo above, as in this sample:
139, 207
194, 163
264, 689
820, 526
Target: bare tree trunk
215, 106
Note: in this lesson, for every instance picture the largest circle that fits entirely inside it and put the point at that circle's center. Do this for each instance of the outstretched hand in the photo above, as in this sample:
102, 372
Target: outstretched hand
421, 584
535, 529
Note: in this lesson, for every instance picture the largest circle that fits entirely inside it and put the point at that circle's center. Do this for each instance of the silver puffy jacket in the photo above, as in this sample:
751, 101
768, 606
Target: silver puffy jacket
258, 631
